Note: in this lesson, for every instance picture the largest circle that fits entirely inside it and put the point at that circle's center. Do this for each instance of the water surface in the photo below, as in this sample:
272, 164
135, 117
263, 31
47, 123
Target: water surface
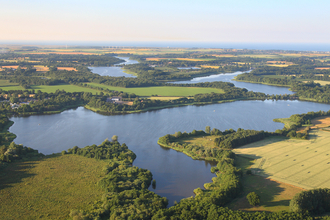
176, 174
228, 77
113, 70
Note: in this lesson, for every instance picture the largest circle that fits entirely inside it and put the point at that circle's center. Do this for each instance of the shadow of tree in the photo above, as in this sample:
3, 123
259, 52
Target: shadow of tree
274, 195
18, 170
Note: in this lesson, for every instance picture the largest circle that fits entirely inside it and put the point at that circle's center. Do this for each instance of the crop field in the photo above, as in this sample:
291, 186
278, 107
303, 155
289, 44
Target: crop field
41, 68
321, 122
185, 59
161, 90
303, 163
278, 65
67, 68
213, 67
322, 68
49, 188
12, 67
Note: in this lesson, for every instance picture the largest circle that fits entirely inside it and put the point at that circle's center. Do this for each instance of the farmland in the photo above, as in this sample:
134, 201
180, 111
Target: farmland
274, 195
49, 188
160, 90
303, 163
46, 88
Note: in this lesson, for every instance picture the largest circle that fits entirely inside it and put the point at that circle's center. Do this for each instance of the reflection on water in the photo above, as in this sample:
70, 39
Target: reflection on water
176, 174
114, 71
228, 77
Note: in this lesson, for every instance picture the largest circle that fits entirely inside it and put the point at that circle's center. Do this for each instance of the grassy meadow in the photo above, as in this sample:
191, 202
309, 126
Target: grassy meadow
6, 83
46, 88
65, 87
49, 188
207, 141
161, 90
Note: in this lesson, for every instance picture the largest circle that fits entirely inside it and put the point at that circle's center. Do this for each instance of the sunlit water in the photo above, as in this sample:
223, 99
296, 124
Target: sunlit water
176, 174
114, 71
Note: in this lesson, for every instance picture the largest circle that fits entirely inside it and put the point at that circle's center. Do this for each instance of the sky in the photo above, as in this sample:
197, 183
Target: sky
250, 21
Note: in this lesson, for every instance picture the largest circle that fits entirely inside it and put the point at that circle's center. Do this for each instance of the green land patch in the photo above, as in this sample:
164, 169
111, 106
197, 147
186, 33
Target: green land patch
4, 82
51, 88
206, 141
49, 188
65, 87
302, 163
161, 90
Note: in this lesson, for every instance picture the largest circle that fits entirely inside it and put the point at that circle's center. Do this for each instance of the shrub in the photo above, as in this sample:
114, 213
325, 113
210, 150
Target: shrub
253, 198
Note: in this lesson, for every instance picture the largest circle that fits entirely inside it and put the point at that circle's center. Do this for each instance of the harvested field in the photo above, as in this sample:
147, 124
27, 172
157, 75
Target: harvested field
12, 67
41, 68
185, 59
302, 163
278, 65
321, 82
321, 122
67, 68
274, 195
322, 68
213, 67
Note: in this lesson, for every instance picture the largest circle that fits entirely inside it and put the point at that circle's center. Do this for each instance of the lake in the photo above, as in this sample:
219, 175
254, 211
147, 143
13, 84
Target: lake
113, 70
229, 77
225, 77
176, 174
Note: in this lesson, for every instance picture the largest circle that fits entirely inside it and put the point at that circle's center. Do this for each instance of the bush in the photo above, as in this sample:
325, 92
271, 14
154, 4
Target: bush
316, 201
253, 198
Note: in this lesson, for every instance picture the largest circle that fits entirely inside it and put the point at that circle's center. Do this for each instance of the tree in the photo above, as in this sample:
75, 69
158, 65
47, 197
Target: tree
253, 198
208, 129
114, 138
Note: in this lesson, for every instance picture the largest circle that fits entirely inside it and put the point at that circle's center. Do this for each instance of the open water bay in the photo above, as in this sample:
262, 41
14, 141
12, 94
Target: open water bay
176, 174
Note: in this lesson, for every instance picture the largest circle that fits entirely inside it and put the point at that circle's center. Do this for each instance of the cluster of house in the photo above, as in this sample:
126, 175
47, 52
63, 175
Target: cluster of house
17, 105
118, 100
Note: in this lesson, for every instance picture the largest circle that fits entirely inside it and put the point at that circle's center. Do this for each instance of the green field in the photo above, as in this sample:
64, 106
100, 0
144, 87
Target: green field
6, 85
67, 88
49, 188
46, 88
4, 82
161, 90
303, 163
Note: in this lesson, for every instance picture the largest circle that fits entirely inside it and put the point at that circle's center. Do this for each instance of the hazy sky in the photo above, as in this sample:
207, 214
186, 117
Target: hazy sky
252, 21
